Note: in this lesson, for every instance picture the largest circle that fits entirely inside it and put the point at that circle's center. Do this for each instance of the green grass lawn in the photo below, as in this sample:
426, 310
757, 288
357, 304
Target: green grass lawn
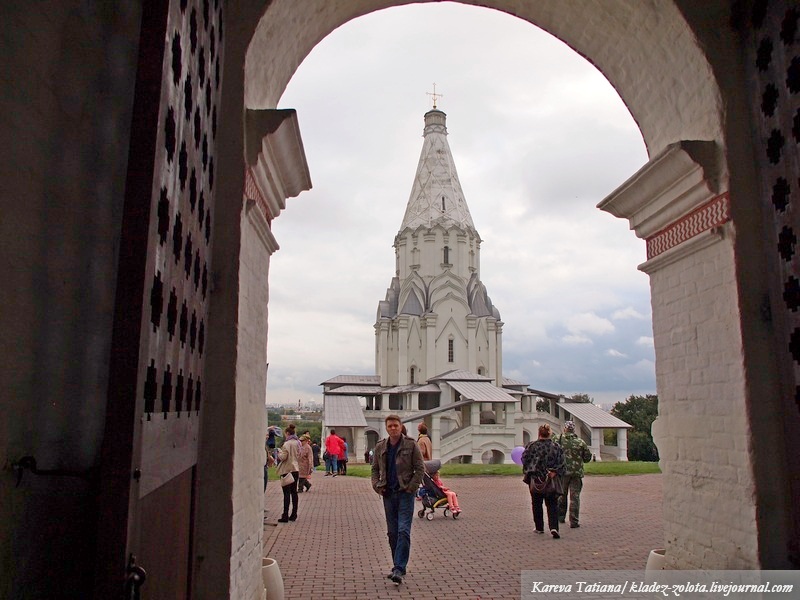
456, 470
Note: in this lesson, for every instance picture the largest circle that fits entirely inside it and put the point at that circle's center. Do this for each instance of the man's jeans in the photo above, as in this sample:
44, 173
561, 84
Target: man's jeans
334, 462
399, 509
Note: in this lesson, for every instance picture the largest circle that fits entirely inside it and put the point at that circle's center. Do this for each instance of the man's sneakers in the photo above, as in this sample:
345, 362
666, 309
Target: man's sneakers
396, 577
554, 533
573, 525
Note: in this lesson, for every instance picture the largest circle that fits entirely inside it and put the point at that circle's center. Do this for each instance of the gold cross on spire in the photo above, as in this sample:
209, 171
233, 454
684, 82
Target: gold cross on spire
434, 96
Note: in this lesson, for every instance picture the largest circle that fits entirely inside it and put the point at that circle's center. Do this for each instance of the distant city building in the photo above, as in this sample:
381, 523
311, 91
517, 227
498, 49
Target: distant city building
438, 340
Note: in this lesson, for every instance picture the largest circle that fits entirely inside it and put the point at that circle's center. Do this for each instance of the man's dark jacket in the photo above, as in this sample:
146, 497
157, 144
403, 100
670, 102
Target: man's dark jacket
409, 465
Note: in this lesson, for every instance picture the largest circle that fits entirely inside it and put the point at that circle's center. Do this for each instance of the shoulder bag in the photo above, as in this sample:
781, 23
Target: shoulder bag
548, 485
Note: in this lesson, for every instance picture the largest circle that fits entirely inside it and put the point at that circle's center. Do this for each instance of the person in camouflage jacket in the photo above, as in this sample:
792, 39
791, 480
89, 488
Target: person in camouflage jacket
576, 452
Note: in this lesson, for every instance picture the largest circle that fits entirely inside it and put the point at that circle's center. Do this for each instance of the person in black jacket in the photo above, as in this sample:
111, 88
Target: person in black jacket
543, 465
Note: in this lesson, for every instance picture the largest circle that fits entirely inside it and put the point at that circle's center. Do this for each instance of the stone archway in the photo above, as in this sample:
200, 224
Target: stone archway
670, 69
692, 74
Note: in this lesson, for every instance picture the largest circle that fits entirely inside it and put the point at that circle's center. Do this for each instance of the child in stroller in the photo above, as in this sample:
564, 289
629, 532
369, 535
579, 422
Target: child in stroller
434, 494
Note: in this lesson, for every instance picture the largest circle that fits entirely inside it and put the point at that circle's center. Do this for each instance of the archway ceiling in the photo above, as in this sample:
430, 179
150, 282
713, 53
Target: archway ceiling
645, 49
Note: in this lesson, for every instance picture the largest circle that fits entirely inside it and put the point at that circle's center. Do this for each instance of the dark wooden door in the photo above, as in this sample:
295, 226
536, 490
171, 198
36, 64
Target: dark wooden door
155, 401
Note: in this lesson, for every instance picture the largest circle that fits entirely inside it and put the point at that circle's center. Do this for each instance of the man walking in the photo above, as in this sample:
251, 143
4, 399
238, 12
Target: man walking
397, 470
576, 452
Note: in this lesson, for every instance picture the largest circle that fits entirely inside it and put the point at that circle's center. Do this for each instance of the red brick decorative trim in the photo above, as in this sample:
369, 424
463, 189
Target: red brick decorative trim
252, 192
712, 214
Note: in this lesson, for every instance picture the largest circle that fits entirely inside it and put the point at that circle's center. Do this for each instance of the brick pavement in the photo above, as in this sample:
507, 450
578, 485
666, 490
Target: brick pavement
337, 548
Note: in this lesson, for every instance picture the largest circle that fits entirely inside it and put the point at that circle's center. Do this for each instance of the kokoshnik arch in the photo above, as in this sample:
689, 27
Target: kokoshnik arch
714, 89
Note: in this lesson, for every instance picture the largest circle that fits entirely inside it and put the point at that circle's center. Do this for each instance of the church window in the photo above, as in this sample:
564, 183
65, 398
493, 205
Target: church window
412, 375
447, 255
450, 351
443, 209
480, 370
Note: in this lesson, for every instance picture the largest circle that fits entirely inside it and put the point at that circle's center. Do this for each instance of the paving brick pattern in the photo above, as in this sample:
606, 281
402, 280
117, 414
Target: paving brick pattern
338, 549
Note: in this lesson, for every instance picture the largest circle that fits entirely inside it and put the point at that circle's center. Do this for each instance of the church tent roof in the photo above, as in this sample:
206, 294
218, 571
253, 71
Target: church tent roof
343, 411
436, 195
594, 416
480, 391
512, 382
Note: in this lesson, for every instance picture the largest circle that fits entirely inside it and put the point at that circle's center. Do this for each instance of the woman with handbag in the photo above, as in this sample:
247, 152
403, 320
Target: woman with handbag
543, 465
289, 472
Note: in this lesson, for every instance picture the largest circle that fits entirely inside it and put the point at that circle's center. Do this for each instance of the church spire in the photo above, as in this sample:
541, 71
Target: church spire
436, 196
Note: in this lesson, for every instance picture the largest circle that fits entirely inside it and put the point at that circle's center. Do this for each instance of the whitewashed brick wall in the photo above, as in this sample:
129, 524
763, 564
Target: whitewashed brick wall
702, 431
250, 421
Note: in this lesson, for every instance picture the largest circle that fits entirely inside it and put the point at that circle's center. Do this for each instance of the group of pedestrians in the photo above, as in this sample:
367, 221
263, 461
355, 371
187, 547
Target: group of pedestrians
553, 470
296, 463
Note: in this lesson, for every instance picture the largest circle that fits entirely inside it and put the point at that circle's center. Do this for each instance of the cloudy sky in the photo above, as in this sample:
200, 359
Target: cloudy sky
539, 137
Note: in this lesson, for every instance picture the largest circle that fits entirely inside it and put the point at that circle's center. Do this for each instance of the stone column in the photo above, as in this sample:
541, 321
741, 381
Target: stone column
435, 433
597, 441
622, 443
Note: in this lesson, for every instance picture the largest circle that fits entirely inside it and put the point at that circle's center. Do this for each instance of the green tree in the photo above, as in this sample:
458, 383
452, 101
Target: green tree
640, 412
273, 417
585, 398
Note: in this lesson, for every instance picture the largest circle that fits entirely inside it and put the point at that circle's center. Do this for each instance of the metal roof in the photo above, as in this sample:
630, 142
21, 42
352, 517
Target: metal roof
428, 387
343, 411
356, 390
481, 391
594, 416
425, 413
459, 375
354, 379
542, 394
507, 382
399, 389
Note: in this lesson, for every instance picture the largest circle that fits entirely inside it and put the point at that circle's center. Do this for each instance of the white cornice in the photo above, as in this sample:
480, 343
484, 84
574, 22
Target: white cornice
673, 183
274, 152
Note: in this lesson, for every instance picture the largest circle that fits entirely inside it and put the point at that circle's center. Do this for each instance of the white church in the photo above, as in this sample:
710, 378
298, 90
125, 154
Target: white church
439, 341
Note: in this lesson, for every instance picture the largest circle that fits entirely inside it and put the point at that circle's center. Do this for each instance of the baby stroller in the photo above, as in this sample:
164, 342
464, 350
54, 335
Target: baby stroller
431, 495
